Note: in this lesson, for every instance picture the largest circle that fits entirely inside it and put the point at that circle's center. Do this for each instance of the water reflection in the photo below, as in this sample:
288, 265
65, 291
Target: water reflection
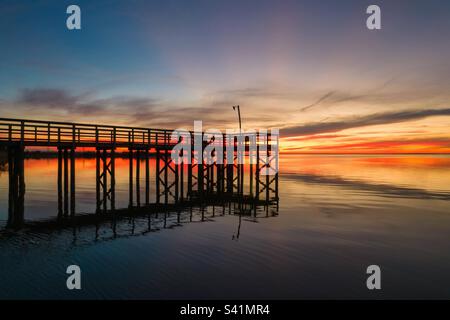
422, 172
338, 214
90, 229
381, 189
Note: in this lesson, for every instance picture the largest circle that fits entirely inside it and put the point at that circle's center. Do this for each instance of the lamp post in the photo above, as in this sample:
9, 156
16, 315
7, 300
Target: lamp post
240, 165
239, 115
236, 237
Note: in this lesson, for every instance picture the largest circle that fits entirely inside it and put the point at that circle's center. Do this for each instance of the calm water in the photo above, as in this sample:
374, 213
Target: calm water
337, 215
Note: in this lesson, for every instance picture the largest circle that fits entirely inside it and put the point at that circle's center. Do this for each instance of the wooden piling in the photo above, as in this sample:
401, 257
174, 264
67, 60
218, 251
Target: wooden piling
147, 177
66, 182
130, 182
72, 182
113, 179
60, 184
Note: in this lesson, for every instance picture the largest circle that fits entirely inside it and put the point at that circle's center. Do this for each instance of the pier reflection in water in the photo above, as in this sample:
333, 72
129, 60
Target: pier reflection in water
91, 228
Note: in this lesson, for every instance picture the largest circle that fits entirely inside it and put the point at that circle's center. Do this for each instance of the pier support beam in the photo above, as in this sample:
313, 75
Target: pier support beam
72, 182
66, 196
105, 171
138, 177
134, 184
147, 177
16, 186
230, 177
266, 173
157, 177
181, 182
167, 176
192, 178
130, 180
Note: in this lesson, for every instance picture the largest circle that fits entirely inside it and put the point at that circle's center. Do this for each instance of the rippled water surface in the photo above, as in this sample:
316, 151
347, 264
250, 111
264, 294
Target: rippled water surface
336, 216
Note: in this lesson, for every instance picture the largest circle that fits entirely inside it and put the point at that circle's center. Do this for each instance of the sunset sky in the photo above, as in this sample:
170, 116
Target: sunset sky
310, 68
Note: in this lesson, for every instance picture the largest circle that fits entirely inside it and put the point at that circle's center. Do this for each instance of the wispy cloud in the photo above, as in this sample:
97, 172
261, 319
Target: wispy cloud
262, 92
51, 99
394, 91
321, 99
56, 103
362, 121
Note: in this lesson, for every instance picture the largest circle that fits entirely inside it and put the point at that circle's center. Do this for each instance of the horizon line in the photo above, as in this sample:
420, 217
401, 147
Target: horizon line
367, 153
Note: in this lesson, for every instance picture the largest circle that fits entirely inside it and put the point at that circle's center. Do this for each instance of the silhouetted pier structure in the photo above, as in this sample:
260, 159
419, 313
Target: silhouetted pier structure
175, 184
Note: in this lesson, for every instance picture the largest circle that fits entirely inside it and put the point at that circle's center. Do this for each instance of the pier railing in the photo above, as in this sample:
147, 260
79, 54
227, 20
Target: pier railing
52, 133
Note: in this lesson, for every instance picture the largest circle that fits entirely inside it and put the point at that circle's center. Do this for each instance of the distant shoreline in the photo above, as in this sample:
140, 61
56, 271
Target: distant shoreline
124, 154
54, 154
363, 154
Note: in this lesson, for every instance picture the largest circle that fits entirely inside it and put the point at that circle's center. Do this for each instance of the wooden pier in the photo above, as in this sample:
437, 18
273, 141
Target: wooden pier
175, 184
